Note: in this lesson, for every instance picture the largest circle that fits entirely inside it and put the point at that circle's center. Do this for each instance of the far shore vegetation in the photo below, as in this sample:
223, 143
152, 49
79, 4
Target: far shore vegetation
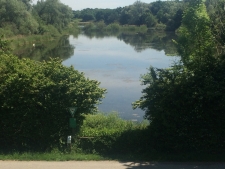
17, 41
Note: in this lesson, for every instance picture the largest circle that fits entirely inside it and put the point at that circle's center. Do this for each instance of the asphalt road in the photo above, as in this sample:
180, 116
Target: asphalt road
106, 165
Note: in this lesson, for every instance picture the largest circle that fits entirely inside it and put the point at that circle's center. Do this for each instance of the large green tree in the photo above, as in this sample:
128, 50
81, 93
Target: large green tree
15, 16
185, 103
196, 41
54, 12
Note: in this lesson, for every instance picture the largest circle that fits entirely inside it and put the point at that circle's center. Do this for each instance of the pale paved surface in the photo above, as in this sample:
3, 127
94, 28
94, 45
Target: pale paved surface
106, 165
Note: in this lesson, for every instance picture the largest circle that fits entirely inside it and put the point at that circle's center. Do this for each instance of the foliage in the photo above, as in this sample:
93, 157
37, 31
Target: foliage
148, 19
216, 12
4, 46
53, 12
100, 25
185, 103
35, 97
15, 14
185, 110
127, 147
19, 17
88, 27
160, 27
195, 34
109, 134
166, 12
115, 27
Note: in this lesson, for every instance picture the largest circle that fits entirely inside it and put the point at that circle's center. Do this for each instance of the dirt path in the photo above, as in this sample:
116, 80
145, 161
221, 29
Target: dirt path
105, 165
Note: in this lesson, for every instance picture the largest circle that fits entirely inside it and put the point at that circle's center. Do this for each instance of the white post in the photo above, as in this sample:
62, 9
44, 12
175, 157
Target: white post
69, 138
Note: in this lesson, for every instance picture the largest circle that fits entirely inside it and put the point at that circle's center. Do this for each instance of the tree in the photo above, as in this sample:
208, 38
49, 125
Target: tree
148, 19
27, 3
196, 41
54, 12
216, 13
175, 23
15, 14
185, 103
125, 17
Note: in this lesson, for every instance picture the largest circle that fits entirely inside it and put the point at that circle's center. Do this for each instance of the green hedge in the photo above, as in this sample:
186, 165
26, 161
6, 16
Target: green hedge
34, 101
108, 133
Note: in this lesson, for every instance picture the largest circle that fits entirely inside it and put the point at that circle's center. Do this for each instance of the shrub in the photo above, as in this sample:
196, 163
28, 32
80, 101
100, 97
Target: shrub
109, 133
88, 27
100, 25
113, 27
6, 32
143, 28
34, 99
160, 26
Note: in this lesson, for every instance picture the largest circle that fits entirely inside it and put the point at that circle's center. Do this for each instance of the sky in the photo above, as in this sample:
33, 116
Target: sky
112, 4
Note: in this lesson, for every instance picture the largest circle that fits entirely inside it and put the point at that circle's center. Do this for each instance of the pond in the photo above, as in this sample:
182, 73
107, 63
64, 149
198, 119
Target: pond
117, 61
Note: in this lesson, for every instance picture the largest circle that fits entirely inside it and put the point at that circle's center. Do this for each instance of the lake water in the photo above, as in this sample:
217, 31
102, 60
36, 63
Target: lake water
117, 62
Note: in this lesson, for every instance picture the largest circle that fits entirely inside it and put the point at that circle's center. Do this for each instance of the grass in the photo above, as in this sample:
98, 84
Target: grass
52, 156
73, 156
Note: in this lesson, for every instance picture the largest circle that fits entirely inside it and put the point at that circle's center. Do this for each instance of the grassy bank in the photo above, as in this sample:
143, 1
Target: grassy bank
50, 34
114, 27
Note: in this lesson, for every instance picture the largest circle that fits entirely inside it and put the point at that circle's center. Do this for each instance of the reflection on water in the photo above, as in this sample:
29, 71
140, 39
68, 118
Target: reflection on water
154, 40
157, 40
117, 61
59, 47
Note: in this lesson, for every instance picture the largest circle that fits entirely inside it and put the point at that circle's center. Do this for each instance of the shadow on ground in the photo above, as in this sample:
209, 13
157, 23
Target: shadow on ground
172, 165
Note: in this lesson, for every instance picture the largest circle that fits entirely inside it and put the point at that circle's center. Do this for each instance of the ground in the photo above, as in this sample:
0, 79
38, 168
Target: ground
106, 165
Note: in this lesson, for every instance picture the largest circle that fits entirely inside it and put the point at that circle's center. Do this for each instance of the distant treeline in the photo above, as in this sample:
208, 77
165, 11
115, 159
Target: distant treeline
165, 15
168, 13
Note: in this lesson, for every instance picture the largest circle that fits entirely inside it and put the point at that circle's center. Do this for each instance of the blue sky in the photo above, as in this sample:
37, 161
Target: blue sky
81, 4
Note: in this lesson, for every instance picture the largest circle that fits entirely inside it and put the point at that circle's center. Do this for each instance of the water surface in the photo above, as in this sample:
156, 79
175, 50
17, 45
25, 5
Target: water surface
117, 62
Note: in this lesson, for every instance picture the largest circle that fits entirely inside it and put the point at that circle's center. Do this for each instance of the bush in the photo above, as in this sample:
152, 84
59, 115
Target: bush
34, 99
88, 27
113, 27
51, 30
134, 28
143, 28
110, 134
100, 25
160, 26
6, 32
